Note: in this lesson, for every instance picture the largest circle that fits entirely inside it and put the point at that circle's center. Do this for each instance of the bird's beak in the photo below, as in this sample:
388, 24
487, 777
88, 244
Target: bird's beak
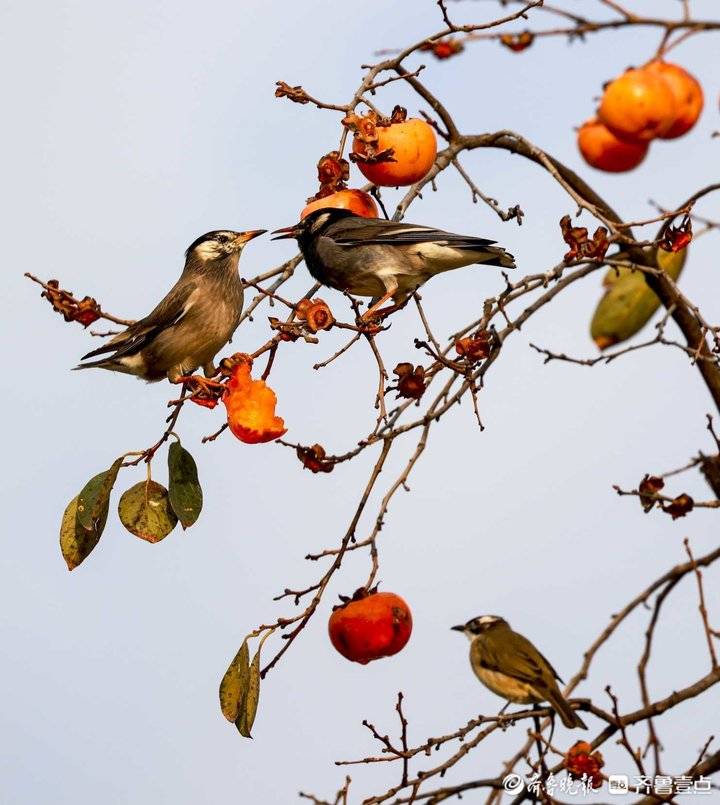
285, 233
458, 628
245, 237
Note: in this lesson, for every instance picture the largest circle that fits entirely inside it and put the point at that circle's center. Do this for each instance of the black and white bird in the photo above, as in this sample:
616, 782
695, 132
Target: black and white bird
383, 259
192, 323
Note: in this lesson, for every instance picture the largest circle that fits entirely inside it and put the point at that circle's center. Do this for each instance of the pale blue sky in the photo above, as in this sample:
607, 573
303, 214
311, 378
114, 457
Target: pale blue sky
130, 129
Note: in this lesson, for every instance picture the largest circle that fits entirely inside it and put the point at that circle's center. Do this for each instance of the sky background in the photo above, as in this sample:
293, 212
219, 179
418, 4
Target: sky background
133, 127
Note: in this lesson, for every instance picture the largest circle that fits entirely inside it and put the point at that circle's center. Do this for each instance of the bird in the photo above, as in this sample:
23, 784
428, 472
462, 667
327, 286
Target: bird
192, 323
383, 259
511, 667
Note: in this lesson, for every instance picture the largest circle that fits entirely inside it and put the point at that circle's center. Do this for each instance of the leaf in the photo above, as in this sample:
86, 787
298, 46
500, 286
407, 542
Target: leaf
249, 705
145, 511
94, 499
75, 542
235, 683
628, 303
186, 497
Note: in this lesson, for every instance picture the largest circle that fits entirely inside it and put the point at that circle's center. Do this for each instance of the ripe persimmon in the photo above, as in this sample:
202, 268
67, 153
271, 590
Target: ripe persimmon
414, 148
603, 150
356, 201
638, 106
369, 626
688, 96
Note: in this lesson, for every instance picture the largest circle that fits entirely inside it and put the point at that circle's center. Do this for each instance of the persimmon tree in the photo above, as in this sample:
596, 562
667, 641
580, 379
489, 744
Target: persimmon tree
643, 257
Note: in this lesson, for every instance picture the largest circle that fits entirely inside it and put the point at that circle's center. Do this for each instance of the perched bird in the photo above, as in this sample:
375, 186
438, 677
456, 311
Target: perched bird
383, 259
510, 666
192, 323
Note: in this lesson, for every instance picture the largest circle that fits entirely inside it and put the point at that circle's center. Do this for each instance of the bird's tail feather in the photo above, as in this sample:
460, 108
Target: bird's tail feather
497, 256
568, 716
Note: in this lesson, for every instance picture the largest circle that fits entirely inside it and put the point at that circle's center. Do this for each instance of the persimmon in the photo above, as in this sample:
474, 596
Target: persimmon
400, 153
603, 150
356, 201
688, 96
251, 407
369, 626
638, 106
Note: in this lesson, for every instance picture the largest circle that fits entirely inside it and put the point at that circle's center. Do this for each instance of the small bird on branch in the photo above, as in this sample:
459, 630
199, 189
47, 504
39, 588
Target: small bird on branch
383, 259
510, 666
192, 323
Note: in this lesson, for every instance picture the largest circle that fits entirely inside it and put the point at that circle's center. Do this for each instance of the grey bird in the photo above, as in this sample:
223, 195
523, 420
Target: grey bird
192, 323
511, 667
383, 259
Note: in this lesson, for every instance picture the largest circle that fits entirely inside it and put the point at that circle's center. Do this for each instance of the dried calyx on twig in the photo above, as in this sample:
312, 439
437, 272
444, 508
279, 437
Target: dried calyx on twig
581, 246
365, 129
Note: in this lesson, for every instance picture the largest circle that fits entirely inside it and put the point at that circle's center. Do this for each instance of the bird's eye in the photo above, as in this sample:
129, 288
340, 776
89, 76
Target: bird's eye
223, 238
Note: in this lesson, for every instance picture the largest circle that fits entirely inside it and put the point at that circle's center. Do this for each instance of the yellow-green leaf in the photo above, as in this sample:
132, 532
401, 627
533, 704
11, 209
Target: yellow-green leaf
249, 705
628, 303
94, 499
234, 684
145, 511
186, 497
75, 542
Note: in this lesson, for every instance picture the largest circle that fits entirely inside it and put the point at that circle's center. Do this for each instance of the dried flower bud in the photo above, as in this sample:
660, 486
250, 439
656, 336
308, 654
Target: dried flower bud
676, 238
649, 487
444, 48
411, 381
679, 506
581, 247
364, 128
295, 94
474, 348
518, 42
315, 313
85, 311
584, 764
313, 458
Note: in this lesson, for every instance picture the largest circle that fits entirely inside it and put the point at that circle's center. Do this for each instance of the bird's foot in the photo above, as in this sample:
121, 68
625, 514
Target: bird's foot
202, 390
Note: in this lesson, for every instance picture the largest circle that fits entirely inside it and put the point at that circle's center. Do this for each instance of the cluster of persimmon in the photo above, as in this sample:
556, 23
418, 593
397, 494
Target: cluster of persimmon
657, 101
370, 625
390, 152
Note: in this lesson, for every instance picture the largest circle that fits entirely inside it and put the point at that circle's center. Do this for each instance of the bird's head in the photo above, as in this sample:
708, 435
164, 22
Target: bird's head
219, 245
312, 225
480, 625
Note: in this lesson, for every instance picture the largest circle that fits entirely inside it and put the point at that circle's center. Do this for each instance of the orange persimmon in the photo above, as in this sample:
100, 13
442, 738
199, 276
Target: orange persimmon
601, 149
638, 106
369, 626
688, 96
356, 201
250, 407
414, 148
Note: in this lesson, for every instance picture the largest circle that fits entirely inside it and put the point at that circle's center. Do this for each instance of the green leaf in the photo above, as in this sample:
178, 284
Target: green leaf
145, 511
235, 683
628, 303
186, 497
94, 499
75, 542
249, 706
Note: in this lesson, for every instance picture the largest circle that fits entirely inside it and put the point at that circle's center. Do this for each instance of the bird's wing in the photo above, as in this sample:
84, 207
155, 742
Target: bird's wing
137, 336
374, 231
526, 662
